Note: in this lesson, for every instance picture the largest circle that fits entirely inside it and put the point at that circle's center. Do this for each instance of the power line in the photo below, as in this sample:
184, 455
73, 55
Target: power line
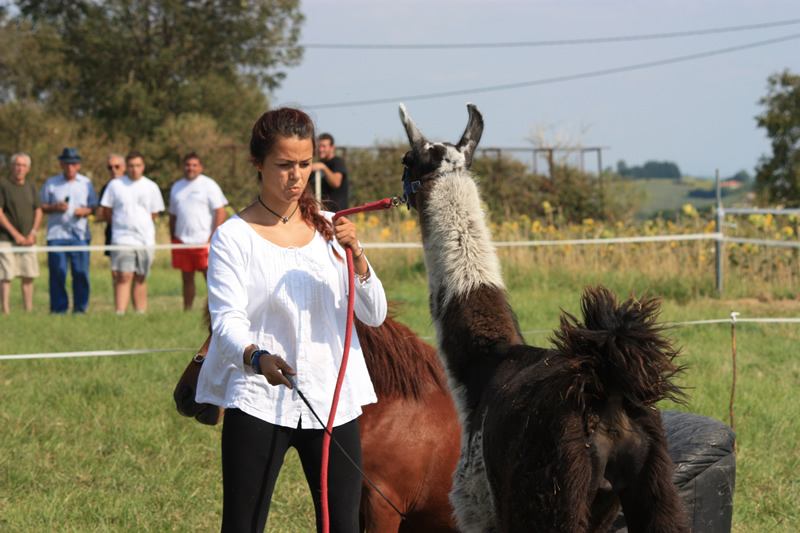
557, 79
563, 42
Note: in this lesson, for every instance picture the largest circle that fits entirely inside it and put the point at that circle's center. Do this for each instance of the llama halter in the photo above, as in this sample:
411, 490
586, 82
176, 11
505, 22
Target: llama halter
414, 186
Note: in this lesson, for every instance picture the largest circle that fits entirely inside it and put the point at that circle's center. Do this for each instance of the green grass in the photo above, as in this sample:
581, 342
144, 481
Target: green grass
95, 443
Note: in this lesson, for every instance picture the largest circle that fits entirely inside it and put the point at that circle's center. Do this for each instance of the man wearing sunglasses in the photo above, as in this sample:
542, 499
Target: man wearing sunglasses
115, 164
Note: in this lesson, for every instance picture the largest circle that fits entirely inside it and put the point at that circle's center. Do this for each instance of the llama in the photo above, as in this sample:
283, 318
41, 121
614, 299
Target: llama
552, 439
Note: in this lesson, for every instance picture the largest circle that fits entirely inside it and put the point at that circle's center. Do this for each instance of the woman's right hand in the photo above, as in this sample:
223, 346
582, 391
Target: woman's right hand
271, 367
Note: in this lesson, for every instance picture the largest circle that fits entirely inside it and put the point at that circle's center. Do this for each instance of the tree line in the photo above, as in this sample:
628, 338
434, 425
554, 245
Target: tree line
165, 77
509, 187
651, 169
162, 77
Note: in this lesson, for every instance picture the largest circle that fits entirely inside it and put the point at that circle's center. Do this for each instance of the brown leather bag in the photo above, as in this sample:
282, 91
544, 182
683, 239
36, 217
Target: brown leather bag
186, 389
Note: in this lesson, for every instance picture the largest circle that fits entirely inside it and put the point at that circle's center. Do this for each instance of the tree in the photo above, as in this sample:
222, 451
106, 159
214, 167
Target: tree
651, 169
658, 169
742, 176
778, 176
130, 65
622, 168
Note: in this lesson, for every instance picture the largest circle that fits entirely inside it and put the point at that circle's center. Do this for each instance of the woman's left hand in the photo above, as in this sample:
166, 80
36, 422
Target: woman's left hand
345, 232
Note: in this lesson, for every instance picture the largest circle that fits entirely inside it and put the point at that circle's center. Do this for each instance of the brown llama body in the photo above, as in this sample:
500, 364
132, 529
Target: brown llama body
552, 439
409, 439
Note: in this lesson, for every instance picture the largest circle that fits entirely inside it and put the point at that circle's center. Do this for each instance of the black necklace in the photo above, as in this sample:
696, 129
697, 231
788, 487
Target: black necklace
284, 219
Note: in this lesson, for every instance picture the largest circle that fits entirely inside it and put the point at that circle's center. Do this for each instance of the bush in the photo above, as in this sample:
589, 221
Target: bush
508, 186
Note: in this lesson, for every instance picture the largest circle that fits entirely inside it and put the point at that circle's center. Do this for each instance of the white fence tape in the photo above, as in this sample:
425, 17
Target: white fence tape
716, 236
689, 323
103, 247
618, 240
759, 242
753, 211
728, 321
53, 355
380, 245
96, 353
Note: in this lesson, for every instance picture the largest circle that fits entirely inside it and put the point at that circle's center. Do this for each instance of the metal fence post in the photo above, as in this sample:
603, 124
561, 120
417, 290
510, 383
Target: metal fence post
318, 185
719, 224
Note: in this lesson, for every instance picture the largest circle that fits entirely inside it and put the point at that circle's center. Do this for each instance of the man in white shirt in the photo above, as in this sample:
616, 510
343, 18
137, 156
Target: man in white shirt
132, 203
196, 209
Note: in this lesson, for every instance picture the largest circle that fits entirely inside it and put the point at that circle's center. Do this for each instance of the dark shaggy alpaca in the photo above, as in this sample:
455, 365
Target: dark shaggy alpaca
577, 425
552, 440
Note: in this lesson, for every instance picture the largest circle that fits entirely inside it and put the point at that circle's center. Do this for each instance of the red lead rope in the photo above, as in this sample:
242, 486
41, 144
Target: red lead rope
386, 203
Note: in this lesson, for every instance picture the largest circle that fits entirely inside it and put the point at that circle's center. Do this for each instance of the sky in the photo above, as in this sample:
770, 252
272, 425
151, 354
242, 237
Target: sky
697, 113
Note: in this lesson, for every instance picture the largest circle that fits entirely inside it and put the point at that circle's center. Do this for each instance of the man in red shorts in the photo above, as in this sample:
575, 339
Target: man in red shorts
196, 208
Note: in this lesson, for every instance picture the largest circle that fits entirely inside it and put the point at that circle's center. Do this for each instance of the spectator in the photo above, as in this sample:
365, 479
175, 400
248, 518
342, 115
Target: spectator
68, 198
196, 209
20, 216
132, 203
335, 187
115, 164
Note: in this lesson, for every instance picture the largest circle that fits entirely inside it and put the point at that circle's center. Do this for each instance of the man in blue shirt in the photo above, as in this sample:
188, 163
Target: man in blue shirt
68, 198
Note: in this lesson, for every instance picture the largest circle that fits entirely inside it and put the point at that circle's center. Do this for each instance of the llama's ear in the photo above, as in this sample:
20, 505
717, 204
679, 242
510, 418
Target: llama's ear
415, 137
472, 135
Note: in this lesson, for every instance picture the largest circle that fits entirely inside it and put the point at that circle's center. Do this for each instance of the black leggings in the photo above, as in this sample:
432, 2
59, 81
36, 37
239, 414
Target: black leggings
252, 456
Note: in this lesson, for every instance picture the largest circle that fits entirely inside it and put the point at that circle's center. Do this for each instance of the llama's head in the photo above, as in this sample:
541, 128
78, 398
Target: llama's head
426, 160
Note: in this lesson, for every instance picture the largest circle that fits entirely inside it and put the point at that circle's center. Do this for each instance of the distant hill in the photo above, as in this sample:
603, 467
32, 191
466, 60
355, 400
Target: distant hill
665, 197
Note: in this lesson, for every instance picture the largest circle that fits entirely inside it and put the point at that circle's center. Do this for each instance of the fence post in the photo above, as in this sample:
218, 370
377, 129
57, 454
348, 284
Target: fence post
719, 245
318, 185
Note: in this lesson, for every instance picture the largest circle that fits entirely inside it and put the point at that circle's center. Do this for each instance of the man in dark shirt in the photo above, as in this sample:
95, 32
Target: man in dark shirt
335, 188
20, 216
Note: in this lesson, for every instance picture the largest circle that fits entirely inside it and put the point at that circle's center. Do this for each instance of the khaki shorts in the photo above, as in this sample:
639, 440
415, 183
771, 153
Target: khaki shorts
17, 264
137, 261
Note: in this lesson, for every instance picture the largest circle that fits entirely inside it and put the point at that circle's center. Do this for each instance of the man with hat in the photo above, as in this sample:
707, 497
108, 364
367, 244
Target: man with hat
68, 198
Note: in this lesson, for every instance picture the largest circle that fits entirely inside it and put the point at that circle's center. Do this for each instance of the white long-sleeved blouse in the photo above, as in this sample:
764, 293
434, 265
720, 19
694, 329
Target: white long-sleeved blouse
293, 303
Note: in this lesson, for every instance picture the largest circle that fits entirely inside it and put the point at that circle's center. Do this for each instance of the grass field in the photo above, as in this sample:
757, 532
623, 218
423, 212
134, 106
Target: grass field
95, 443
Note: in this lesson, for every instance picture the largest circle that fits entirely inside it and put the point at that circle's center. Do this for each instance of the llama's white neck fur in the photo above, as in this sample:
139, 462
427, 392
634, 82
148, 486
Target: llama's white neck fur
460, 257
459, 254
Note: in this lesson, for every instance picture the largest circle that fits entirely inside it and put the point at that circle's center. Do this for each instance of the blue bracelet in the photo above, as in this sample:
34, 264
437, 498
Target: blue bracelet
254, 357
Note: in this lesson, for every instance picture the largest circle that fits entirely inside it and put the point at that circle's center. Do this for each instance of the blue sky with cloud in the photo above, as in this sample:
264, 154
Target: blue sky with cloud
698, 113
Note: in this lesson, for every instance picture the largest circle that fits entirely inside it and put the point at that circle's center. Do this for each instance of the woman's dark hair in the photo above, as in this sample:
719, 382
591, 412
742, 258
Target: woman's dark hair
288, 123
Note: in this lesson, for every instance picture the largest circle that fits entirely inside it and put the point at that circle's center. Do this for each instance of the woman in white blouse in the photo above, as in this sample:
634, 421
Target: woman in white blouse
277, 293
